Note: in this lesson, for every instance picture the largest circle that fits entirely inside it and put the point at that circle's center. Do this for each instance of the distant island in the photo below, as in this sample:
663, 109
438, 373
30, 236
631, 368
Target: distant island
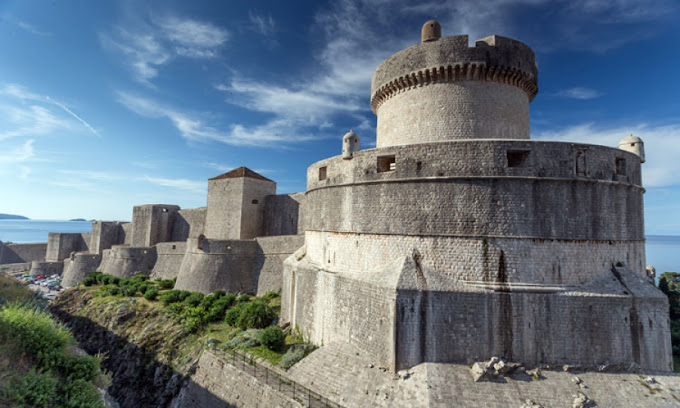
12, 217
78, 219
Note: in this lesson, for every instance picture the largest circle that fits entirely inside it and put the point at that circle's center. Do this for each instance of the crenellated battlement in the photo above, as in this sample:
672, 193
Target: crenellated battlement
493, 59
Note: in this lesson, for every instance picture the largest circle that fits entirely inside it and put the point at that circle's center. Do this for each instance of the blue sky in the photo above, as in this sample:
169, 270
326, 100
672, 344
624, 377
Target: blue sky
109, 104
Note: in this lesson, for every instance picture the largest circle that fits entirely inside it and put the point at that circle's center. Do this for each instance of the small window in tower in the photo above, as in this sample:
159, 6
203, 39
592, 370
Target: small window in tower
254, 201
386, 163
620, 166
517, 158
165, 210
174, 247
322, 173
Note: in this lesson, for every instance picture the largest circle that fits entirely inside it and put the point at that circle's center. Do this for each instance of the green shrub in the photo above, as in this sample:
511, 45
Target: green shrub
208, 301
273, 338
219, 307
129, 290
244, 298
193, 299
194, 318
79, 367
33, 330
255, 315
176, 309
232, 315
140, 277
80, 394
295, 353
34, 390
165, 284
151, 294
171, 296
143, 288
219, 293
270, 295
89, 281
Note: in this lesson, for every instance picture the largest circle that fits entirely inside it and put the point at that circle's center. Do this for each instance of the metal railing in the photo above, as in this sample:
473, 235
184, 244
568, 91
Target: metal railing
286, 386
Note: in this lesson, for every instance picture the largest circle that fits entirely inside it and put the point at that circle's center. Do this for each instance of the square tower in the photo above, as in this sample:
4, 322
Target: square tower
236, 204
152, 223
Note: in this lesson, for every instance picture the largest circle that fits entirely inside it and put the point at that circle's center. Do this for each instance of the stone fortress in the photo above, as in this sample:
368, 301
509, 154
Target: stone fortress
456, 239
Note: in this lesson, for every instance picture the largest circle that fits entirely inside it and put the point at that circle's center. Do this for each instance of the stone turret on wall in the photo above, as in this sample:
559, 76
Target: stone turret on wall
236, 204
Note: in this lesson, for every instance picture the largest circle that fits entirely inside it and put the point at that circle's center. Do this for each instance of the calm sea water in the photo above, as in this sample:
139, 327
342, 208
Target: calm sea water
663, 252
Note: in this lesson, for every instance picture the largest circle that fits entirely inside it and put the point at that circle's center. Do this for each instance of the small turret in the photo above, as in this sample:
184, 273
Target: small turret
350, 144
634, 145
431, 31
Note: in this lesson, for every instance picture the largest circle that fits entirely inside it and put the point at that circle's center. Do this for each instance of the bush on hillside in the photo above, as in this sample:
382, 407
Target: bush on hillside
151, 294
273, 338
255, 315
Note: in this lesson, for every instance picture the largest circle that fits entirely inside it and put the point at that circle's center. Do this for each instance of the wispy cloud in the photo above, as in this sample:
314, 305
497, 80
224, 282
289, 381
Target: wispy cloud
198, 187
31, 28
264, 25
19, 158
44, 119
662, 146
579, 93
150, 44
193, 128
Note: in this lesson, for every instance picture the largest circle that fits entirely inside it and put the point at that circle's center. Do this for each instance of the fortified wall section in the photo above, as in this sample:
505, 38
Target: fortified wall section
211, 264
443, 89
105, 234
125, 261
500, 189
189, 223
283, 214
78, 266
170, 256
21, 253
60, 245
152, 223
269, 256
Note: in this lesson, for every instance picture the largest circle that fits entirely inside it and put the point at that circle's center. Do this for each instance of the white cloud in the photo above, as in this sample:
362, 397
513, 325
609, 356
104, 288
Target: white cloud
264, 25
21, 154
31, 28
579, 93
198, 187
151, 44
36, 119
273, 134
662, 147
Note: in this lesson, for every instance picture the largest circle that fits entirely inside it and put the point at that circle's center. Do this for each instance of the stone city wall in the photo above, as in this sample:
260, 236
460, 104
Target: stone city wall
46, 268
512, 260
218, 384
22, 253
125, 262
439, 190
211, 264
189, 223
252, 204
105, 234
152, 223
401, 321
170, 256
269, 257
283, 214
78, 267
60, 245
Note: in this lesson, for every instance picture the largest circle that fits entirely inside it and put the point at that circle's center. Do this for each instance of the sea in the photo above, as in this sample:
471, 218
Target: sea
663, 251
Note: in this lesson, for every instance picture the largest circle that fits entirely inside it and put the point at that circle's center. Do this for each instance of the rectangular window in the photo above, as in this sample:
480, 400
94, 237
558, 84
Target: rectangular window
386, 163
620, 166
517, 158
322, 173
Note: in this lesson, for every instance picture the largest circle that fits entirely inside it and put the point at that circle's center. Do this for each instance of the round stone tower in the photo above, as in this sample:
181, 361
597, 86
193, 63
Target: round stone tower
441, 89
459, 238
